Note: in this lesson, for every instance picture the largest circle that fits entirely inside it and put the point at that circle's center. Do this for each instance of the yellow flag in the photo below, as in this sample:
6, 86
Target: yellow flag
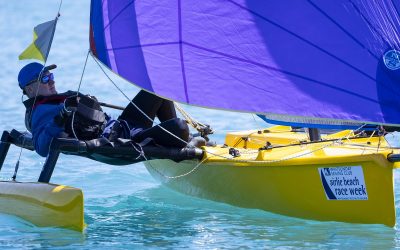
42, 38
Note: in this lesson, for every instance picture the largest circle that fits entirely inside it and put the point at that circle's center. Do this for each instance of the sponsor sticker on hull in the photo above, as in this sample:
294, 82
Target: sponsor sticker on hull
343, 183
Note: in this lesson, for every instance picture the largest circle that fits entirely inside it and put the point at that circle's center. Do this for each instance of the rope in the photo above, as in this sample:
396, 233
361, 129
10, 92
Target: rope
272, 161
73, 127
141, 111
192, 122
181, 175
244, 161
140, 151
339, 140
187, 117
287, 158
249, 161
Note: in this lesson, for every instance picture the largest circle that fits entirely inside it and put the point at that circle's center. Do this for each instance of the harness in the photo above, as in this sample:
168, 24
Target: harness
83, 117
30, 105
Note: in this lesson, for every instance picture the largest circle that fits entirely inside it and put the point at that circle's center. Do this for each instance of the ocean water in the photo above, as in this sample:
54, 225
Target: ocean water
124, 206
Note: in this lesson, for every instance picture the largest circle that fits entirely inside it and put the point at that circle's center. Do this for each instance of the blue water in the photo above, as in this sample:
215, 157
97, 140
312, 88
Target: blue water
124, 206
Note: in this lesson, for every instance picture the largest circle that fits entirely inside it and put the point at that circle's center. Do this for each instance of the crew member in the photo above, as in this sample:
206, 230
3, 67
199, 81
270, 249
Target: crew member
44, 117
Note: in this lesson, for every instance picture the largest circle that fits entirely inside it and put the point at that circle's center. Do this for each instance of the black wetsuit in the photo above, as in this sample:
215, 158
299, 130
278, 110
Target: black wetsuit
153, 106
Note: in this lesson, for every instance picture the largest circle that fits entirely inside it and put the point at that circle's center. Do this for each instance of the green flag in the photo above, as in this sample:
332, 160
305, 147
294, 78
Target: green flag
42, 39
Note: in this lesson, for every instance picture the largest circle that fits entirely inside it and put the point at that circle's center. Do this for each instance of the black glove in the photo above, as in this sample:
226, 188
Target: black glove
69, 105
60, 119
71, 102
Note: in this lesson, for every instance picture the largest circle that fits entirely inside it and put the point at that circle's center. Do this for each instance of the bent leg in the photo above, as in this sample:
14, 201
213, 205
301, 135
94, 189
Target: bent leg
176, 126
166, 111
152, 106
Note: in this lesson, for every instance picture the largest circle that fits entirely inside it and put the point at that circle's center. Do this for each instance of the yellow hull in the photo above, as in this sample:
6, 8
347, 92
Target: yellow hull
43, 204
289, 181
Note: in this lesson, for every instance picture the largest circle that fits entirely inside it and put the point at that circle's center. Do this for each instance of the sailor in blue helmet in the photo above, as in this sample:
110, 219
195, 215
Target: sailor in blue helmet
46, 117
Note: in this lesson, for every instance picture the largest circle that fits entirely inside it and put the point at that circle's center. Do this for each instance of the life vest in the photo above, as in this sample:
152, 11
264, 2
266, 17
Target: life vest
31, 104
83, 117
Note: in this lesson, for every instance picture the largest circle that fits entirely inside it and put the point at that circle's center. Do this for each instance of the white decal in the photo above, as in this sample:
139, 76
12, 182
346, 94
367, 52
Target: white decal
343, 183
392, 59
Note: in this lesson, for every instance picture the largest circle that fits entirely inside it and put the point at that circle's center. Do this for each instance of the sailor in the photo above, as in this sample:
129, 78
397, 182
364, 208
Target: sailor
46, 117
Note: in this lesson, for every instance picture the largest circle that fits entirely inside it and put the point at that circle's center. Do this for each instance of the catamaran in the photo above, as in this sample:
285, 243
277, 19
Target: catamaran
314, 64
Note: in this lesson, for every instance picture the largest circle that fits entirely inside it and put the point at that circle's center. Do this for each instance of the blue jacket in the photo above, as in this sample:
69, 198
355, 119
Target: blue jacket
39, 119
43, 127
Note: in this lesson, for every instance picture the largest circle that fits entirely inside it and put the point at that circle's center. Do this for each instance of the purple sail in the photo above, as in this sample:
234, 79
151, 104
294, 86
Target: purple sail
318, 62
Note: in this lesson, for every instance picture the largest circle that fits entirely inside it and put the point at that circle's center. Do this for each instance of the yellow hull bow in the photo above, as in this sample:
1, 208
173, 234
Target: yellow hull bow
43, 204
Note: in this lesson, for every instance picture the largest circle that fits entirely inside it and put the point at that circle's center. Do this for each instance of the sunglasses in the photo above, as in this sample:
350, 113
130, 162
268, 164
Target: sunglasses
45, 79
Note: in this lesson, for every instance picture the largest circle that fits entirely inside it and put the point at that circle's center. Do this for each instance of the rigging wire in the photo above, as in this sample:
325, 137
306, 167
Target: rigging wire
17, 164
83, 72
77, 94
59, 7
141, 111
35, 99
224, 156
98, 63
79, 86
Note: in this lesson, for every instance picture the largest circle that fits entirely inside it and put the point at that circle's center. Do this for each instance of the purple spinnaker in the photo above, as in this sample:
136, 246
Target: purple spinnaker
303, 61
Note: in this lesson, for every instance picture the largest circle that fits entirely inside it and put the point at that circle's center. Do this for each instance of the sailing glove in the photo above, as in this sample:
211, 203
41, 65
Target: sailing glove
69, 105
61, 118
